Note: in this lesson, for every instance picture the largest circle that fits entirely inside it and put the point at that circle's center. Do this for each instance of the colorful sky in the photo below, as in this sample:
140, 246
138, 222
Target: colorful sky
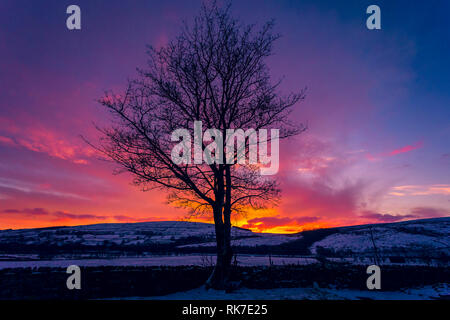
377, 107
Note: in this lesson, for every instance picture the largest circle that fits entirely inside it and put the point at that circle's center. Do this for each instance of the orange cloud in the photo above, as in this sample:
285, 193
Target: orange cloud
420, 190
279, 224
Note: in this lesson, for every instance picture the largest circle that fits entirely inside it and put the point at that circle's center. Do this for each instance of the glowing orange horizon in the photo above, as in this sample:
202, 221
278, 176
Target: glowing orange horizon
243, 223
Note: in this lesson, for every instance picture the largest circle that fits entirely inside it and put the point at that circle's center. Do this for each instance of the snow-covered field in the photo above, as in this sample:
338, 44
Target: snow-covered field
407, 238
194, 260
126, 234
182, 260
257, 239
315, 293
107, 244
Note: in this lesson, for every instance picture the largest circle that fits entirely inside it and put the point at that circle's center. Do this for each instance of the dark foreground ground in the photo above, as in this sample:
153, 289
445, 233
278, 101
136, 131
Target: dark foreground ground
117, 282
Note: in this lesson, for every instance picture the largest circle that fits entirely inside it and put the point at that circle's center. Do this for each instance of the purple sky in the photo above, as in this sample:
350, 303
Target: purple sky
377, 107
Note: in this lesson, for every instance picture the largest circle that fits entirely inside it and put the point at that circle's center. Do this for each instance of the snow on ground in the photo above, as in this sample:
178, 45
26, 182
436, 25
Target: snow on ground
315, 293
415, 236
384, 239
191, 260
256, 239
414, 239
182, 260
122, 233
198, 260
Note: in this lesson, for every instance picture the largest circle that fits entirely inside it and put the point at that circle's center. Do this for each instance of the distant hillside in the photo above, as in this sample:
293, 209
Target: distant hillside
409, 238
150, 236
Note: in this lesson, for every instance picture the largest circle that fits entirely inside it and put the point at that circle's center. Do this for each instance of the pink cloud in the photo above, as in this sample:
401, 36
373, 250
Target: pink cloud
63, 215
405, 149
379, 217
314, 180
6, 140
55, 215
408, 148
428, 212
415, 213
41, 139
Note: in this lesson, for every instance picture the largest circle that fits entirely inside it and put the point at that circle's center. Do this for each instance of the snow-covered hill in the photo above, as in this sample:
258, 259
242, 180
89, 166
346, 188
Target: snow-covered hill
409, 238
180, 233
429, 237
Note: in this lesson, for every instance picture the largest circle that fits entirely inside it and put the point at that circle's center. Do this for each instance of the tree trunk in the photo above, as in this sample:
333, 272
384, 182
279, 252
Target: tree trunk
222, 222
219, 276
228, 253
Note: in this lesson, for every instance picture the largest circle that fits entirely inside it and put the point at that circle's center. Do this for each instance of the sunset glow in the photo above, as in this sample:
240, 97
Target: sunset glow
377, 108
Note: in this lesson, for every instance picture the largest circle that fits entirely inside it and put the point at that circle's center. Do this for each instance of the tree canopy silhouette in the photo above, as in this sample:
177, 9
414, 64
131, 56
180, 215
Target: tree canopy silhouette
214, 71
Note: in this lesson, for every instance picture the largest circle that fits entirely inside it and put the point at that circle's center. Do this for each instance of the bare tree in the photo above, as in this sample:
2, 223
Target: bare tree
213, 72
